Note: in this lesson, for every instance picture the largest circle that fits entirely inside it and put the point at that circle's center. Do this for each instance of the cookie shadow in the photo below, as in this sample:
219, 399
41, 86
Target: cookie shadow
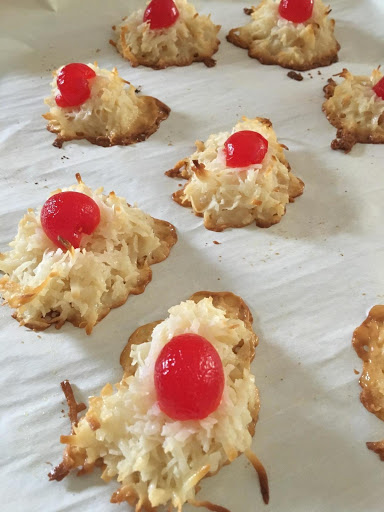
324, 209
354, 42
302, 450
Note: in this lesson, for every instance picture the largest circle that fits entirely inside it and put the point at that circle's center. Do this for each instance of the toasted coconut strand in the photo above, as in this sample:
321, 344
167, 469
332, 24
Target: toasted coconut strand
130, 495
48, 287
368, 341
73, 407
299, 46
59, 472
355, 110
19, 296
182, 169
261, 473
63, 469
208, 505
377, 447
199, 170
113, 115
228, 197
195, 479
177, 171
193, 38
167, 476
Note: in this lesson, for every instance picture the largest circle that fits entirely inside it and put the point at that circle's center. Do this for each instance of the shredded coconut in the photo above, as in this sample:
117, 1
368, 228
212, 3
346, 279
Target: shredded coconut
356, 105
192, 37
274, 40
111, 109
236, 197
151, 455
113, 114
47, 285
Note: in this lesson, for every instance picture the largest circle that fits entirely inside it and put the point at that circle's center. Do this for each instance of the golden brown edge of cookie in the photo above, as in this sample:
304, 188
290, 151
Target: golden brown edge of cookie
143, 334
360, 340
121, 140
345, 139
74, 457
135, 62
297, 191
296, 187
377, 447
165, 231
326, 60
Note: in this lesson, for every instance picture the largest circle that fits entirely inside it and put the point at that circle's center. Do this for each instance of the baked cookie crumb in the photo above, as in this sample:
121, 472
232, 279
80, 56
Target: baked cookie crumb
295, 76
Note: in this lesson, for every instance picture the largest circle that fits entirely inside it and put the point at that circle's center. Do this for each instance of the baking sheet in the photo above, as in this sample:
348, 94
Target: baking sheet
309, 280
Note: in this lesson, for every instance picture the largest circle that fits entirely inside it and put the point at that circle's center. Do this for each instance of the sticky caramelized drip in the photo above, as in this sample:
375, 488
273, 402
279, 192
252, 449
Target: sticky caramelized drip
262, 474
208, 505
368, 341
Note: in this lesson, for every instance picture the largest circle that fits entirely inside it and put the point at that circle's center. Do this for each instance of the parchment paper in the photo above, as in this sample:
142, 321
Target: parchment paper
309, 280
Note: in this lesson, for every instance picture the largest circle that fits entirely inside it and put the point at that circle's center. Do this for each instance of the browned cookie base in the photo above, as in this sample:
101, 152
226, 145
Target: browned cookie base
139, 135
296, 189
162, 64
266, 59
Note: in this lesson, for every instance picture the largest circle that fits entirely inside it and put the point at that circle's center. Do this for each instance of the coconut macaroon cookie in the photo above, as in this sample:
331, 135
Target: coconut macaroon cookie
186, 405
368, 341
79, 256
167, 33
356, 108
295, 34
95, 104
239, 177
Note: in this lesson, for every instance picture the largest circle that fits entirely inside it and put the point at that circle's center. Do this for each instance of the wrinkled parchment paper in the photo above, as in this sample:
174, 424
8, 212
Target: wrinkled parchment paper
309, 280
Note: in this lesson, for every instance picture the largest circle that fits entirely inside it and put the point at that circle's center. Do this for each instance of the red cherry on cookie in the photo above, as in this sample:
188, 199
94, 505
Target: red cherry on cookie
73, 85
161, 13
67, 215
297, 11
245, 148
189, 378
379, 88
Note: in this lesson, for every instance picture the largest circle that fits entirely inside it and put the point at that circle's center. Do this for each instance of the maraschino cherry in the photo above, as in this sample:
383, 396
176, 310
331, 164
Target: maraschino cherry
297, 11
73, 84
245, 148
379, 88
189, 378
67, 215
161, 14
